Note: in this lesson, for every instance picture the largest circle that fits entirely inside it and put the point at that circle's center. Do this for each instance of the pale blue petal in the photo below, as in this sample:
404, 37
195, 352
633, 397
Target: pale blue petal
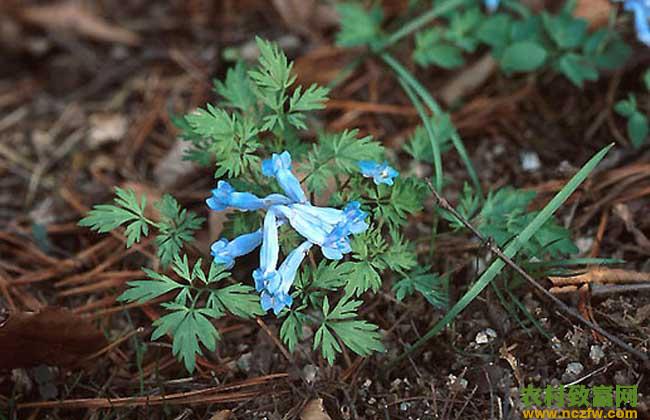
225, 196
311, 228
225, 252
381, 173
290, 265
641, 16
270, 245
328, 215
279, 166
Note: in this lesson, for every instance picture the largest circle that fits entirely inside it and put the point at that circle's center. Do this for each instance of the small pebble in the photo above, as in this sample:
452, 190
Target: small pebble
530, 161
485, 336
574, 369
453, 380
309, 373
596, 354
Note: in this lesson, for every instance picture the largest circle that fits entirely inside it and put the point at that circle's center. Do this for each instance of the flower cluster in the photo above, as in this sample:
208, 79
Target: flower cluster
641, 10
325, 227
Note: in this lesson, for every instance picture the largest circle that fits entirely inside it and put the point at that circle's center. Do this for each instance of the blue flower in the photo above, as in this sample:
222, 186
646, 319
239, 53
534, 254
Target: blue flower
641, 9
277, 302
491, 5
225, 252
306, 223
225, 196
278, 297
337, 242
279, 166
381, 173
266, 276
327, 227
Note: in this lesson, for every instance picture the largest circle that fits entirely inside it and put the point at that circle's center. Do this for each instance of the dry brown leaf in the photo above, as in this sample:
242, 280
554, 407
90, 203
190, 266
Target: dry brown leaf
295, 13
305, 15
625, 214
221, 415
601, 275
52, 336
469, 79
314, 410
596, 12
69, 16
172, 168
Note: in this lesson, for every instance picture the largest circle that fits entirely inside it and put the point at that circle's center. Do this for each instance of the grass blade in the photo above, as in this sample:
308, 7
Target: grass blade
431, 103
437, 161
518, 242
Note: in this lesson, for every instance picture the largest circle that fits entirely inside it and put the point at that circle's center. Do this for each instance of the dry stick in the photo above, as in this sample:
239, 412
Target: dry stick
442, 202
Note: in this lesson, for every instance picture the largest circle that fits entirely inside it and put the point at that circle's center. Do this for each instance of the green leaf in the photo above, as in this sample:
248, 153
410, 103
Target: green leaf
145, 290
212, 122
528, 29
433, 287
565, 30
395, 203
577, 68
327, 342
358, 26
338, 153
511, 250
192, 329
106, 217
182, 268
431, 49
637, 129
362, 277
646, 79
313, 98
291, 329
359, 336
442, 55
523, 57
238, 299
176, 227
236, 88
274, 71
626, 107
607, 50
495, 30
504, 215
329, 275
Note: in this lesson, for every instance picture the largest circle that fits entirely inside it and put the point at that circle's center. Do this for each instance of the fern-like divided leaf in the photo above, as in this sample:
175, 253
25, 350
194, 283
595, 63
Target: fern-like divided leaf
176, 227
359, 336
338, 154
106, 217
196, 302
358, 26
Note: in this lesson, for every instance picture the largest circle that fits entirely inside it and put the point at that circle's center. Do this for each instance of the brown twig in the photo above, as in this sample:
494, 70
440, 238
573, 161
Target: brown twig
442, 202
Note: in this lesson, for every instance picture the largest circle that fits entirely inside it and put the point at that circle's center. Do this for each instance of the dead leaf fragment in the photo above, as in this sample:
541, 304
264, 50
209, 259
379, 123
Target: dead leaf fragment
596, 12
105, 128
601, 275
69, 16
221, 415
52, 336
314, 410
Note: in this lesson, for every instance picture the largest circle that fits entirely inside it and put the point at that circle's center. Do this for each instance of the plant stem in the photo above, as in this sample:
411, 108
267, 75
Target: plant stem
437, 161
422, 20
505, 257
431, 103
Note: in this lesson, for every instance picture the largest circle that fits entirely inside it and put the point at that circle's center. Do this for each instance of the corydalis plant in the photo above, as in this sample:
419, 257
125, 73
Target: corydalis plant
352, 234
327, 227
